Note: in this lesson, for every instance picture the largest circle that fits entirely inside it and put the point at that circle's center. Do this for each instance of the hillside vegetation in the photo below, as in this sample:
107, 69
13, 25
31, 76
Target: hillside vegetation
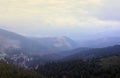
11, 71
105, 67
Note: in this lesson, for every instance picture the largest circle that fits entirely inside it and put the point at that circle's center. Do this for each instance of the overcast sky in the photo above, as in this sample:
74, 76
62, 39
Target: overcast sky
73, 18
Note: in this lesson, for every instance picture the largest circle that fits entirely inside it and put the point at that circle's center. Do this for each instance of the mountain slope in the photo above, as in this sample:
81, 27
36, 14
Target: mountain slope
71, 52
10, 40
40, 46
57, 43
101, 42
95, 53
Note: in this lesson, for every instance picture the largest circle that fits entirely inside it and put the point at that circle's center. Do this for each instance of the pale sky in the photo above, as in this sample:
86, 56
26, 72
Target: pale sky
60, 17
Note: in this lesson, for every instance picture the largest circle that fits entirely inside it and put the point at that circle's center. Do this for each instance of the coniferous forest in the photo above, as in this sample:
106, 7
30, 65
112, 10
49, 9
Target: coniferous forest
106, 67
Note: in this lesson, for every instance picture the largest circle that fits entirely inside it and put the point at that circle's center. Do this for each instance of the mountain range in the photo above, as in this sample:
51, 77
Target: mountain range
24, 51
58, 57
94, 53
38, 46
100, 42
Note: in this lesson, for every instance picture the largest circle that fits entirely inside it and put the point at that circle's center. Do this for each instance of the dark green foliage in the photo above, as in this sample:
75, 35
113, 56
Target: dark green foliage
11, 71
95, 68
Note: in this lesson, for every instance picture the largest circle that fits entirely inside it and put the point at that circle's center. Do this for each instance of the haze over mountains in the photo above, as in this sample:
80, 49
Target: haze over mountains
56, 52
59, 39
49, 45
15, 41
99, 43
10, 40
61, 43
15, 47
94, 53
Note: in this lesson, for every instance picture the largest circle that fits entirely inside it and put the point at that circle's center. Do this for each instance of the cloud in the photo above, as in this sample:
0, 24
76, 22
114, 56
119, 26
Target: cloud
110, 10
53, 17
51, 11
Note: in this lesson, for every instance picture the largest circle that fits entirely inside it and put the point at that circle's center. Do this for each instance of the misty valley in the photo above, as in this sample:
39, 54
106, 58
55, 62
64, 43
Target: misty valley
58, 57
59, 38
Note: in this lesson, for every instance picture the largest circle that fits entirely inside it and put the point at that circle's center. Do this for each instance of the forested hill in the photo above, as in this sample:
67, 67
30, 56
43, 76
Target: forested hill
105, 67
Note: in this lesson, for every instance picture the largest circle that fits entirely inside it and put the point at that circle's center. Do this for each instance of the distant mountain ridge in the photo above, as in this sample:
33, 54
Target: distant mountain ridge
57, 43
23, 51
40, 46
95, 53
99, 43
10, 40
